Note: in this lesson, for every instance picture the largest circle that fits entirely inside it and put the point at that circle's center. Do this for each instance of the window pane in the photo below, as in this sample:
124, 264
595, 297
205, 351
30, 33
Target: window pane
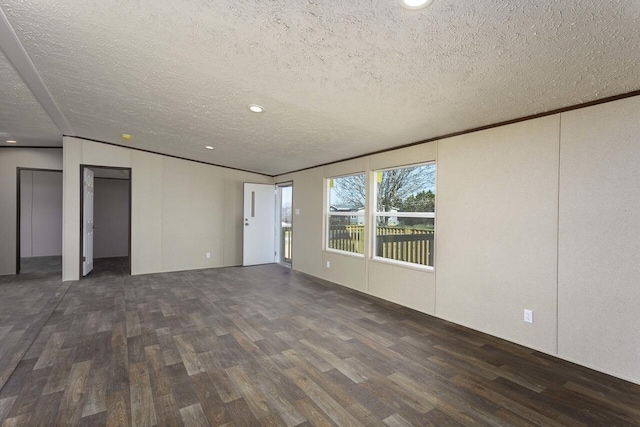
409, 189
347, 193
346, 233
405, 239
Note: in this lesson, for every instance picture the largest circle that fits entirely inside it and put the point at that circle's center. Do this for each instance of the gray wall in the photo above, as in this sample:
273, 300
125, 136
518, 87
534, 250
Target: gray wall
40, 213
540, 215
10, 159
111, 218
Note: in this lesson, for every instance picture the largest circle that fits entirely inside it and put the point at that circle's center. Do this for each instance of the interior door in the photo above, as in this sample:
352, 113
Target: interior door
258, 239
87, 224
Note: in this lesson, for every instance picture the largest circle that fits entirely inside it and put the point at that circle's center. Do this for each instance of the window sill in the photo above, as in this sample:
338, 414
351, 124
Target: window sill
345, 253
404, 264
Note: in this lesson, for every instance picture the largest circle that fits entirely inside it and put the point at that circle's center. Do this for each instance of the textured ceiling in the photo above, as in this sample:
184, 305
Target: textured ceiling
21, 116
337, 78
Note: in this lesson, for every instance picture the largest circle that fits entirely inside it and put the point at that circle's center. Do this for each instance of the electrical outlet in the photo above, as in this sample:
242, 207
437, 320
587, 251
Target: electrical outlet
208, 254
528, 316
328, 264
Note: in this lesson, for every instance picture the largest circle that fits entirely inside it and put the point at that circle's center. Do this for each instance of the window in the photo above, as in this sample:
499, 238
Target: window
345, 213
405, 214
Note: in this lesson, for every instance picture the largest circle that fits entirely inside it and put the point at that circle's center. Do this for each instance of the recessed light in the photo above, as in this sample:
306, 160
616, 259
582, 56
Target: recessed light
208, 147
11, 141
415, 4
256, 108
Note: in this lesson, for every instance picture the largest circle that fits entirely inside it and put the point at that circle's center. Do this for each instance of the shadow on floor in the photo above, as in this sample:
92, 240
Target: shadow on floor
41, 264
109, 267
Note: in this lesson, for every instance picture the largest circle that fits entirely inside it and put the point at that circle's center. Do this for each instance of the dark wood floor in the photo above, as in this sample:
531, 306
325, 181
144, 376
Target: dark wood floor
267, 346
26, 302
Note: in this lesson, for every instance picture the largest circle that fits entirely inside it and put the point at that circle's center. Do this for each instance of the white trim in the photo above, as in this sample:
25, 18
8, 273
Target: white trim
328, 213
406, 214
405, 166
346, 175
342, 213
375, 215
404, 264
345, 253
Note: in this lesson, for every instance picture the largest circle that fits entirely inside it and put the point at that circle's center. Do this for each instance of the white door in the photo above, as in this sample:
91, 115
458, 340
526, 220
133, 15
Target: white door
87, 225
258, 245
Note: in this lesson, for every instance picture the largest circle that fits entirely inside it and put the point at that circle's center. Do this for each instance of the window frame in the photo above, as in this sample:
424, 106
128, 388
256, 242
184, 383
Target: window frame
328, 214
375, 215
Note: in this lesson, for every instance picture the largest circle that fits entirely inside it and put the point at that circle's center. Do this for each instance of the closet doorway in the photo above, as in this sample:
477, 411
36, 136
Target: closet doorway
105, 220
39, 220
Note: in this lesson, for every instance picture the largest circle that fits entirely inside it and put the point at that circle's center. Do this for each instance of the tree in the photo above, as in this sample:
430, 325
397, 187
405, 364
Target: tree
396, 188
424, 201
397, 185
350, 190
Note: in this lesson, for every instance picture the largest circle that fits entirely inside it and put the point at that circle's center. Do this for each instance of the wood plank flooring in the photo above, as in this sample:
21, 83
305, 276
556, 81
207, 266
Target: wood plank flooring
264, 346
26, 302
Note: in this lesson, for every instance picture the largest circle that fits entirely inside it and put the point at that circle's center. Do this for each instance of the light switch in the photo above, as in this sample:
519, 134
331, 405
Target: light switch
297, 211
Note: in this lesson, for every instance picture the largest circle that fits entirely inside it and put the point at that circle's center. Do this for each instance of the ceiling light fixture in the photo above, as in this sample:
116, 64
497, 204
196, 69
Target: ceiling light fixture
256, 108
208, 147
415, 4
11, 141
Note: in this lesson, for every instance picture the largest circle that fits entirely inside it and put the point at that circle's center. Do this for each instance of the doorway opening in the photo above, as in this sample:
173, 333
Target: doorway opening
105, 220
39, 221
284, 223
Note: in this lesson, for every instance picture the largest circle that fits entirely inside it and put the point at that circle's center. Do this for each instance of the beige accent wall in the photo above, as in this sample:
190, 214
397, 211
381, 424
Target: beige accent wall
413, 288
10, 159
180, 209
497, 212
542, 214
345, 270
599, 252
146, 202
407, 156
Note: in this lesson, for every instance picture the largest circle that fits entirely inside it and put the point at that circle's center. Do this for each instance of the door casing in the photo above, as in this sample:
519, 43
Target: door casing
82, 167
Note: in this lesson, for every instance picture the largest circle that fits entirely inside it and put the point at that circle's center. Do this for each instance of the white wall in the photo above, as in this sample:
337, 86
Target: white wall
179, 210
40, 213
111, 218
10, 159
541, 214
